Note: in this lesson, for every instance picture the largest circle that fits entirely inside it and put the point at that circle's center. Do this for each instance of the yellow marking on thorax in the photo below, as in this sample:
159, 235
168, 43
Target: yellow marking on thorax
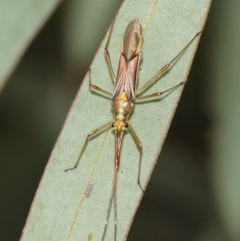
122, 96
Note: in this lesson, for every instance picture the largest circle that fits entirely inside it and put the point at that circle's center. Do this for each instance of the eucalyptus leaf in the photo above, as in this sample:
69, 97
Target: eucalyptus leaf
61, 210
20, 21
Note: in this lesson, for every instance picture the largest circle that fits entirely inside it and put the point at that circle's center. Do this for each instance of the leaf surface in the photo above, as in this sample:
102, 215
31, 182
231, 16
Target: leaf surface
60, 210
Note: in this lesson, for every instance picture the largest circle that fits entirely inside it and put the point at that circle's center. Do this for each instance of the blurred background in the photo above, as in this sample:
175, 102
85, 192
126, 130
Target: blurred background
197, 198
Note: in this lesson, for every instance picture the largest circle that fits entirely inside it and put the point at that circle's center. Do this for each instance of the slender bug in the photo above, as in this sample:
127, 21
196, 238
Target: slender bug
123, 100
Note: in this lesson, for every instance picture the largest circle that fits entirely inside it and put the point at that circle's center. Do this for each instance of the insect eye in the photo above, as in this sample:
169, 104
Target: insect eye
126, 125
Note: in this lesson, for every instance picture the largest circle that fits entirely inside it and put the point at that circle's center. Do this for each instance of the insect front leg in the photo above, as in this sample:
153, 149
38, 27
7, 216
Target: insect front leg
139, 145
90, 134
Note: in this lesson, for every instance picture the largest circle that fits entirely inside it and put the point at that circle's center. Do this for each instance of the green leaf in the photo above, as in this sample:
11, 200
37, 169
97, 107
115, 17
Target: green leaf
19, 23
60, 210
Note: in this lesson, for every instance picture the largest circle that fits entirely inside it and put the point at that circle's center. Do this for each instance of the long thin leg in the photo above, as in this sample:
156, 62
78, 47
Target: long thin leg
165, 67
96, 88
106, 53
139, 144
92, 133
157, 94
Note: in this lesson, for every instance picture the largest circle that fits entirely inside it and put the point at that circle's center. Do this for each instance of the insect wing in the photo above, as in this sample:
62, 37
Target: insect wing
128, 62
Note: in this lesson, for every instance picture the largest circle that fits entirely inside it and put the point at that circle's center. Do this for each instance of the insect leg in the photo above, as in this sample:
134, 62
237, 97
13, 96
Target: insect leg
157, 94
90, 134
96, 88
139, 144
106, 53
165, 67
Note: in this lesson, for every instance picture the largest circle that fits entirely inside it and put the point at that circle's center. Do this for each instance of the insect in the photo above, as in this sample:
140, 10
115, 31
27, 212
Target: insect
123, 99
